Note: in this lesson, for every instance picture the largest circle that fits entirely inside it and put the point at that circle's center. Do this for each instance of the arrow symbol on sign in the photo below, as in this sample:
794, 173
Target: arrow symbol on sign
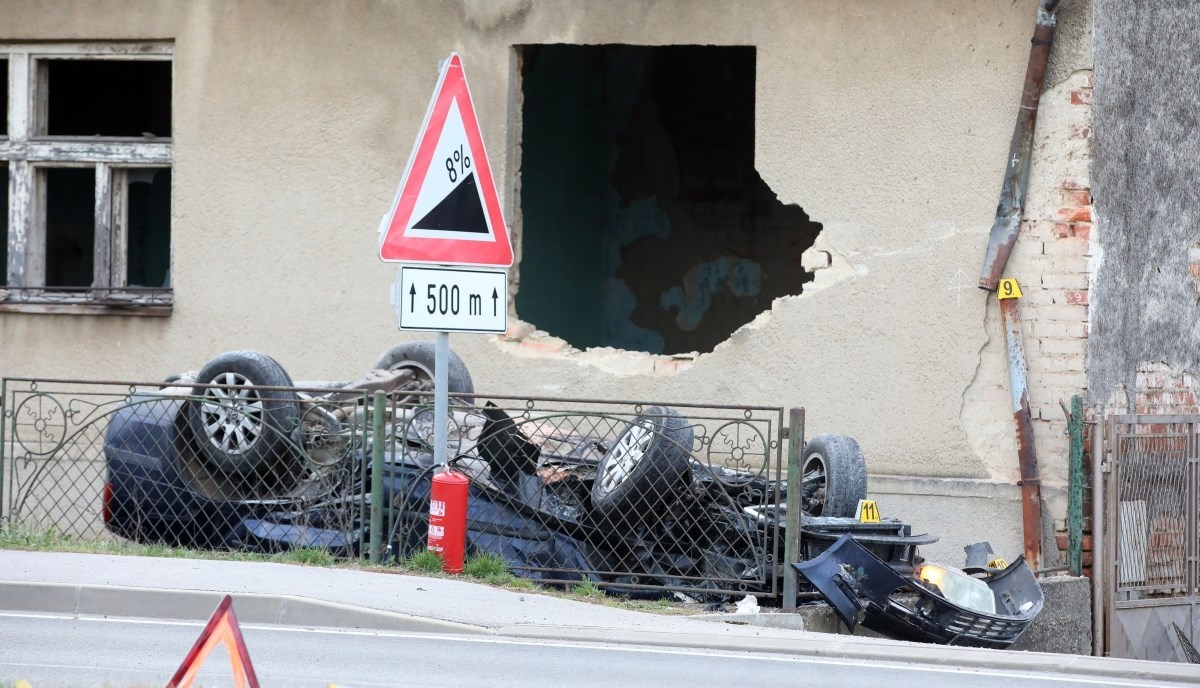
495, 297
412, 298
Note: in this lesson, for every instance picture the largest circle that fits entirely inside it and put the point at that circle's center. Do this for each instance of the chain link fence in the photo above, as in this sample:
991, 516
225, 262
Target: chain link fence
630, 496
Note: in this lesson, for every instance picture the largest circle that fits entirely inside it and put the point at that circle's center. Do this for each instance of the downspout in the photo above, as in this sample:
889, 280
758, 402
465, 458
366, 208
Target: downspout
1016, 178
1031, 496
1003, 237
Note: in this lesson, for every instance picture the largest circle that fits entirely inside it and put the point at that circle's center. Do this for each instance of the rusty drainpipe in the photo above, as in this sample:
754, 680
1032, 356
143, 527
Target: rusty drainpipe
1031, 498
1016, 178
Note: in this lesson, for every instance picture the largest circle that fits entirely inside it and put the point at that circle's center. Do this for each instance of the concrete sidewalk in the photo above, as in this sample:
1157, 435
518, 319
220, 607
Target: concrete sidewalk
56, 582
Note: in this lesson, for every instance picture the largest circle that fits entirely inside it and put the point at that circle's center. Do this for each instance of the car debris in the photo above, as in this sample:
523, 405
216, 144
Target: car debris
235, 457
980, 606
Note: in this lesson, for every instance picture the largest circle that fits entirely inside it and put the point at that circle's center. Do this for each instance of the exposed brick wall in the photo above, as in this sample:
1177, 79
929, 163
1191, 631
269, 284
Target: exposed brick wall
1054, 272
1055, 279
1159, 390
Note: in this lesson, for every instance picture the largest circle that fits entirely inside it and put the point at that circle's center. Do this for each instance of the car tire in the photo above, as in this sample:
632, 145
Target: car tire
834, 475
247, 431
421, 356
645, 464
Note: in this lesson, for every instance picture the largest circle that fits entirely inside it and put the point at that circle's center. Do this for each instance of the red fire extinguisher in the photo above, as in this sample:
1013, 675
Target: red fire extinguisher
448, 518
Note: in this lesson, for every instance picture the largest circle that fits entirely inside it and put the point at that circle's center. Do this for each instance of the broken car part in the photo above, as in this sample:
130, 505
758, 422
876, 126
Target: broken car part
863, 589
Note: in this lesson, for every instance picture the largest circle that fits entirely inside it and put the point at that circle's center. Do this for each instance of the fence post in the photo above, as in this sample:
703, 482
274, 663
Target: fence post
3, 441
1100, 533
791, 540
376, 479
1075, 490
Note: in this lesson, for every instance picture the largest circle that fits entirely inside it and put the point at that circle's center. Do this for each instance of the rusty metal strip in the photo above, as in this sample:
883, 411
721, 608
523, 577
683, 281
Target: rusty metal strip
1020, 152
1031, 499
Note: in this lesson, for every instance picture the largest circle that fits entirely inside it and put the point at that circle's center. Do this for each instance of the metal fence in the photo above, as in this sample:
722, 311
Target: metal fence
628, 495
1152, 535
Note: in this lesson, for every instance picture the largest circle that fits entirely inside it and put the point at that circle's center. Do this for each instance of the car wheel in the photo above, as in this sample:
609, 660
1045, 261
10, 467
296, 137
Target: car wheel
420, 356
237, 428
834, 475
644, 465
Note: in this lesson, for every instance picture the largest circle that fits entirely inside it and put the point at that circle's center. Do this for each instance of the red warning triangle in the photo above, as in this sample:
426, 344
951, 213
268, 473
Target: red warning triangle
446, 210
222, 627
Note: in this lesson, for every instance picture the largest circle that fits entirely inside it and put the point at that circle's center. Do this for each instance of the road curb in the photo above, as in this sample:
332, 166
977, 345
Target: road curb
160, 603
879, 650
293, 610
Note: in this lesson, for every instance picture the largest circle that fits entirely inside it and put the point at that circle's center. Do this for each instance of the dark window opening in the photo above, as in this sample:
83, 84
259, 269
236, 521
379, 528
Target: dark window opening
70, 226
149, 228
4, 224
128, 98
3, 97
644, 223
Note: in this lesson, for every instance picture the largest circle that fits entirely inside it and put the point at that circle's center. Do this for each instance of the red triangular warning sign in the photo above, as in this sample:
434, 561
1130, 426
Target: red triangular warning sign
222, 627
446, 210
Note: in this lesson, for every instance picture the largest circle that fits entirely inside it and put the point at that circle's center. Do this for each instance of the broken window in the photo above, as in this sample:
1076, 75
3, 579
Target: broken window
3, 223
644, 225
127, 98
3, 173
3, 97
88, 180
70, 225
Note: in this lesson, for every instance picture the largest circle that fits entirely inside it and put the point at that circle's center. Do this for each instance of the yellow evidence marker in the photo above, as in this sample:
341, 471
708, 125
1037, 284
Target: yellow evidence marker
868, 511
1009, 289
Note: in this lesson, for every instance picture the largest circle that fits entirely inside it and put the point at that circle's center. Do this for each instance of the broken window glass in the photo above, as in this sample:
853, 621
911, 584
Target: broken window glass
125, 98
3, 98
148, 238
70, 214
3, 223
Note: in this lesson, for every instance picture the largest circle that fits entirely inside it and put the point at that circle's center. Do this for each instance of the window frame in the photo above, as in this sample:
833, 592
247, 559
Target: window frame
28, 153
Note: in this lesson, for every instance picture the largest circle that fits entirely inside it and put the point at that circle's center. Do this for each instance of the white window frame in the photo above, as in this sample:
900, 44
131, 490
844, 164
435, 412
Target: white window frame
28, 151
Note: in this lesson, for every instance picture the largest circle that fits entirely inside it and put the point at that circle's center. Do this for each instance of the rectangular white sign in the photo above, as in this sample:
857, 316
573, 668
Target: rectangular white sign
443, 299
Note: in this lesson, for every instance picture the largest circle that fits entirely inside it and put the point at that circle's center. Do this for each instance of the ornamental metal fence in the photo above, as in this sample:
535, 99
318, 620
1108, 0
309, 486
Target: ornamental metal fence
633, 496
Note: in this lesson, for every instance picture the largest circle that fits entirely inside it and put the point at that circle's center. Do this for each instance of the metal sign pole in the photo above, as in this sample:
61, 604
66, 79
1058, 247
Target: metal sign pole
441, 396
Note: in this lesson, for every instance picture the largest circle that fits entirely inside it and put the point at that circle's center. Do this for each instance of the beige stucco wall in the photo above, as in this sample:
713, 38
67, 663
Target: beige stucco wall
888, 122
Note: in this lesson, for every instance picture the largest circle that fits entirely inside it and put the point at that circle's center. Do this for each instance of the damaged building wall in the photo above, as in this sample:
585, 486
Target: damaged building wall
888, 123
1052, 262
1143, 353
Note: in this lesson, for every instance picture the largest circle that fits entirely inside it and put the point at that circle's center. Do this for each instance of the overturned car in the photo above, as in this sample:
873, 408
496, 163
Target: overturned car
239, 456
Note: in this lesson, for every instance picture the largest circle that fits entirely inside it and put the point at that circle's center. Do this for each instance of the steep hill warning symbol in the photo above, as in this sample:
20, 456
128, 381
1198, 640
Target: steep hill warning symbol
447, 210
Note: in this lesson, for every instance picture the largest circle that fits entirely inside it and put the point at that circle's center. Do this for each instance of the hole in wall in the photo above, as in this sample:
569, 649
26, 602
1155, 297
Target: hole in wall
644, 223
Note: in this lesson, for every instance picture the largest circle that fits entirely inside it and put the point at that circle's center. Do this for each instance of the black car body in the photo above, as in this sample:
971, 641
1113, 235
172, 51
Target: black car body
533, 505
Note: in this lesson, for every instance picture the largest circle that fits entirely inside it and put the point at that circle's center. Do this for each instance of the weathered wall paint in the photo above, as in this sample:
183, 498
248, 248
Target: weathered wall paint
887, 122
1146, 166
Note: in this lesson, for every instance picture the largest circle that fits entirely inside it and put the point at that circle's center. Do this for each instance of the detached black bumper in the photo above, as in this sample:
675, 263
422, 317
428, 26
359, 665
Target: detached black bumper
861, 587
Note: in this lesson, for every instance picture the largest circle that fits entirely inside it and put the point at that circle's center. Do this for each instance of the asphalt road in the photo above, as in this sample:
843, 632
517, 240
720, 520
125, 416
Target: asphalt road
66, 651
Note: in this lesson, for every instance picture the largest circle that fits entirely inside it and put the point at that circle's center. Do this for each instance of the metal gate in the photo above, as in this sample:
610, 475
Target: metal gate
1151, 532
